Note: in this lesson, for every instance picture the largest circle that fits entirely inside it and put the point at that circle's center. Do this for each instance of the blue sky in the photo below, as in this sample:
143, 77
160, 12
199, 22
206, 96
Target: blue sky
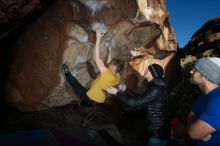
187, 16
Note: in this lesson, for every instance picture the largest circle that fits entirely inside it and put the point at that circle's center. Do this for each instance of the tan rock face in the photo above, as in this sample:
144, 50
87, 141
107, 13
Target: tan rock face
64, 34
155, 11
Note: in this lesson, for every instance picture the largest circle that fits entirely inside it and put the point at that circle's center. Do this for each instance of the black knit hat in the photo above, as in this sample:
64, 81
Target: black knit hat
156, 70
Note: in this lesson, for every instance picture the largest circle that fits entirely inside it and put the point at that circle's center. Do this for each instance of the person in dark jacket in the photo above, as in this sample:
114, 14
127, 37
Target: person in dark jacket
154, 101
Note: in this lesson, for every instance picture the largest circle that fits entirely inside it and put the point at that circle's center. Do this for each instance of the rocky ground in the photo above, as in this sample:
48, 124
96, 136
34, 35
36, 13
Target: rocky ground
125, 126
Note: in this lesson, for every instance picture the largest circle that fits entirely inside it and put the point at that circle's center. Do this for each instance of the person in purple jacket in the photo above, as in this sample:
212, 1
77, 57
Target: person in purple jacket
203, 122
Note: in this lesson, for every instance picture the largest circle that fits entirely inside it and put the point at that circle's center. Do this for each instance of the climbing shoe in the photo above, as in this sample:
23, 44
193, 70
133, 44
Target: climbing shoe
65, 68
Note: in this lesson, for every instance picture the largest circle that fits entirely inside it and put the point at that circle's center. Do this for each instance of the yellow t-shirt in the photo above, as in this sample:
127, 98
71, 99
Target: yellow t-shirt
103, 80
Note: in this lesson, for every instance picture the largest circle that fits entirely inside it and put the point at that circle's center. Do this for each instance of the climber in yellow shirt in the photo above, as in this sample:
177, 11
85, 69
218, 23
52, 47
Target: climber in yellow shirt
108, 76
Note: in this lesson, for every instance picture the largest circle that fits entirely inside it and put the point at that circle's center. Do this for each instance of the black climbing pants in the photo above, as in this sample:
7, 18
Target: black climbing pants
79, 90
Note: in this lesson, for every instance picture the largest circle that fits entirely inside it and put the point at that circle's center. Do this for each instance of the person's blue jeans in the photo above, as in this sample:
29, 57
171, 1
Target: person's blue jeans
153, 141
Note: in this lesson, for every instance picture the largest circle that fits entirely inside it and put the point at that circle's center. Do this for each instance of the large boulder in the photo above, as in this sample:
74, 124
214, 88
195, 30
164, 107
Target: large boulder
205, 41
64, 33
